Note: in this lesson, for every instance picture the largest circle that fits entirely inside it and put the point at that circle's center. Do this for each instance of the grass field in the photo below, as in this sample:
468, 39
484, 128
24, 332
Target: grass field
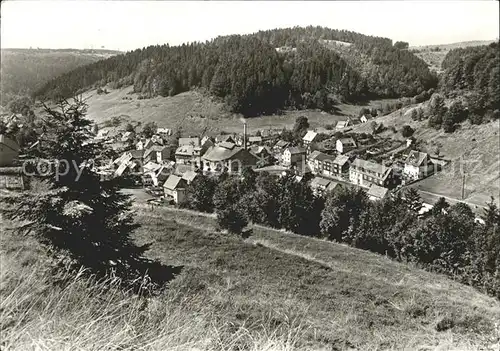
271, 291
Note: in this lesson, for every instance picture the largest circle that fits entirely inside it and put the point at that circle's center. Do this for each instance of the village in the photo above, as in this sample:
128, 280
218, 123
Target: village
163, 165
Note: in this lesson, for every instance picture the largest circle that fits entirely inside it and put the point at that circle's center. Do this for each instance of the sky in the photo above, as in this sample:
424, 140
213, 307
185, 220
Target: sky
128, 25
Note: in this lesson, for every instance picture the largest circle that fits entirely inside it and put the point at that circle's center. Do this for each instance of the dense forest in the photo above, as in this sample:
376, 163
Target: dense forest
255, 76
473, 72
24, 71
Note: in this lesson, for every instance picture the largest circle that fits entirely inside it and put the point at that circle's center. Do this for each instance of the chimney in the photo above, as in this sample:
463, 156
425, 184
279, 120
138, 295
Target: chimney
245, 135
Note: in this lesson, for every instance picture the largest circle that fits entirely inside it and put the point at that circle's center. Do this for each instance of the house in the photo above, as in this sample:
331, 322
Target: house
128, 136
164, 131
9, 151
280, 146
417, 165
189, 176
255, 140
366, 173
344, 145
365, 118
340, 167
155, 174
227, 156
309, 137
343, 124
225, 138
376, 192
195, 141
262, 152
175, 188
129, 160
316, 161
293, 155
157, 153
320, 185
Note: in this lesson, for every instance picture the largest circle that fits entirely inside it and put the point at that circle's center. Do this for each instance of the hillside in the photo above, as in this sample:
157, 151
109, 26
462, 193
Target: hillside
434, 55
476, 145
24, 71
271, 291
252, 77
195, 112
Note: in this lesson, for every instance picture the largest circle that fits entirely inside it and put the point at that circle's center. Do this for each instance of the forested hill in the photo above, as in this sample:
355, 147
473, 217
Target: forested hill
262, 72
26, 70
475, 73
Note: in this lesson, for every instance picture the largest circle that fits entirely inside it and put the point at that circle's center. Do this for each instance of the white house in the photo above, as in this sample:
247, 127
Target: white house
417, 166
175, 187
344, 145
309, 137
365, 173
343, 124
293, 155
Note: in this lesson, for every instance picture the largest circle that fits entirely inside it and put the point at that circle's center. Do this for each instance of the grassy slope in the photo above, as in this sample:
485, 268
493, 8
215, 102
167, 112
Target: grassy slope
348, 297
272, 291
185, 111
481, 156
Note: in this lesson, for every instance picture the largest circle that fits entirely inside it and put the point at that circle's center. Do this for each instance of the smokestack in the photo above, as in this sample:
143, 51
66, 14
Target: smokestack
245, 135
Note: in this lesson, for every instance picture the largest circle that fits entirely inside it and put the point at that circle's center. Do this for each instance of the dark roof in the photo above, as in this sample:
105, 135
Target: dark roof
9, 142
137, 153
348, 141
155, 148
416, 158
296, 150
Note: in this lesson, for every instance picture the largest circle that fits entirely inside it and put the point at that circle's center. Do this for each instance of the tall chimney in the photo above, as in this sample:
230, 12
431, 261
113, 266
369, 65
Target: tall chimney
245, 135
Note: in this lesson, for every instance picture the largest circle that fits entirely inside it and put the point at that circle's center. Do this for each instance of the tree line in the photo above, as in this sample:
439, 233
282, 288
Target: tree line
253, 78
446, 239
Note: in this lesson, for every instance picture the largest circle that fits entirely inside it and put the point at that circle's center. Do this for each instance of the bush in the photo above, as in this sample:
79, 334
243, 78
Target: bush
232, 220
407, 131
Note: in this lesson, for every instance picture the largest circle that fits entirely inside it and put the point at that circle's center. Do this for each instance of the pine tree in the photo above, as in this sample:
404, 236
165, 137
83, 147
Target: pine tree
74, 213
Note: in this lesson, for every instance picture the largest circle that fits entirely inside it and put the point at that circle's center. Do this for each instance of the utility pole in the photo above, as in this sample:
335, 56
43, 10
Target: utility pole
463, 180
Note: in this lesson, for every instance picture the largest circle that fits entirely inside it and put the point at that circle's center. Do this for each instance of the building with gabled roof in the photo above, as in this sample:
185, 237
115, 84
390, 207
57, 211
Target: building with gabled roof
320, 185
343, 124
157, 153
293, 155
227, 156
366, 173
417, 166
376, 192
344, 145
310, 137
175, 188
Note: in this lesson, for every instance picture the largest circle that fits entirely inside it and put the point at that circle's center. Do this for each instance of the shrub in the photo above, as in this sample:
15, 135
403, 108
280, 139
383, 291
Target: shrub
407, 131
231, 219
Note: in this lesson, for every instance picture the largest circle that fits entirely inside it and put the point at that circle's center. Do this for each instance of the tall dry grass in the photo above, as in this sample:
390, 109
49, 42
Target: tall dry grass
85, 314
